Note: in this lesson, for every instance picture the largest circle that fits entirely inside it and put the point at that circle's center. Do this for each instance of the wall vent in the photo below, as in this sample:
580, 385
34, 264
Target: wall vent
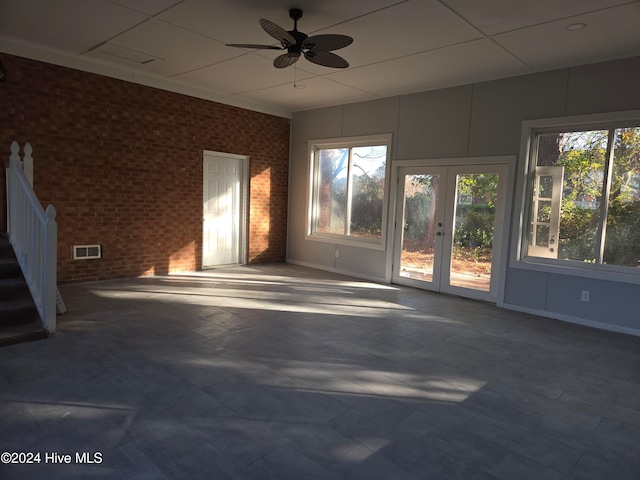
86, 252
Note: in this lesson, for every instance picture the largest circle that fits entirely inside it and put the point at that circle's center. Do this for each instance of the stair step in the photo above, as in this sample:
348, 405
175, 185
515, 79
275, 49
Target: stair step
28, 332
19, 321
6, 251
9, 268
16, 312
13, 289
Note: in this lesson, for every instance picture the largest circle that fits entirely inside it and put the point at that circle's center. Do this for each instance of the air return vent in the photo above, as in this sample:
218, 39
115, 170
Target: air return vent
86, 252
122, 53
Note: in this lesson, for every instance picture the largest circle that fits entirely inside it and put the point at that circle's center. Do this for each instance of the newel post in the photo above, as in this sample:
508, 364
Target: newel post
15, 152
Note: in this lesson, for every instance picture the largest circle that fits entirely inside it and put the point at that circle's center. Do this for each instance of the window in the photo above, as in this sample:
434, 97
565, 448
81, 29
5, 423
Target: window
583, 197
348, 185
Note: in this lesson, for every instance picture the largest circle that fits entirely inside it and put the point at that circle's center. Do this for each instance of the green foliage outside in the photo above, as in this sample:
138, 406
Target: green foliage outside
366, 206
474, 221
416, 215
474, 227
623, 234
583, 156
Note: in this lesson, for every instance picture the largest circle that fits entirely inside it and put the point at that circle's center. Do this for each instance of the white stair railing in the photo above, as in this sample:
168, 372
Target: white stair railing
33, 234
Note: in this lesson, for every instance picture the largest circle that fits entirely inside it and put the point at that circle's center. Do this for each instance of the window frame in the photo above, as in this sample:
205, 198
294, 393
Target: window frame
313, 180
526, 177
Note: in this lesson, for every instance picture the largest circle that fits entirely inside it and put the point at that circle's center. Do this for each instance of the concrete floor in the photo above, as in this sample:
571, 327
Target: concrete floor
281, 372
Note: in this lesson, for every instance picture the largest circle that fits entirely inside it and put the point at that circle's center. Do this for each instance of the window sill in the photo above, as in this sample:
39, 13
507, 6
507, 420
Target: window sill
372, 244
598, 272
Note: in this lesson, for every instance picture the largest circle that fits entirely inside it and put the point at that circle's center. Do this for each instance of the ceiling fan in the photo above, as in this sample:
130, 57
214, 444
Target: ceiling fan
316, 49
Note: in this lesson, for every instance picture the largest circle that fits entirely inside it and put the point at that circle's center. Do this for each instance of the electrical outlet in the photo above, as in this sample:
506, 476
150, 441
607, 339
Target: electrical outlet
337, 253
586, 296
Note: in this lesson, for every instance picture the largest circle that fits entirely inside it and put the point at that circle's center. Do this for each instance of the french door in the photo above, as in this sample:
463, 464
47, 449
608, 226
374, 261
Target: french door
448, 234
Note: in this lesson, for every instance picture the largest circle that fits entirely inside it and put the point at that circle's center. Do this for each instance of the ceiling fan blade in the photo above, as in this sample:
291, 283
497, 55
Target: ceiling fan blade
277, 32
286, 59
327, 42
326, 59
254, 46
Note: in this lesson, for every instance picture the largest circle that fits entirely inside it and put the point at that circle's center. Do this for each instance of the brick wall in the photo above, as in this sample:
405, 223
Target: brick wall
122, 164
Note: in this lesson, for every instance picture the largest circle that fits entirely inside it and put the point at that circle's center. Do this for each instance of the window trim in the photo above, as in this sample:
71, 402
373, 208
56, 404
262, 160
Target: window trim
522, 203
347, 142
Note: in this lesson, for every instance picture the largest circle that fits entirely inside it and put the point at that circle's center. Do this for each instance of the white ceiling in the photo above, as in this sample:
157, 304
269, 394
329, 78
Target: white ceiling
399, 46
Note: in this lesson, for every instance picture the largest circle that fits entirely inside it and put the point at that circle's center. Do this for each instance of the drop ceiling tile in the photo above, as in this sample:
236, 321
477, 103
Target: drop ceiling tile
176, 49
474, 61
148, 7
233, 21
404, 29
499, 16
611, 33
317, 92
68, 25
318, 16
240, 74
227, 21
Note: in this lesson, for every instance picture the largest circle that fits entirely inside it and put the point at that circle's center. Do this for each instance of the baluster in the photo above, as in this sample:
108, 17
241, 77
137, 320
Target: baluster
28, 163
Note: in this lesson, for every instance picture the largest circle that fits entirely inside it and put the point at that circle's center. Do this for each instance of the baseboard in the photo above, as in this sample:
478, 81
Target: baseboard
338, 271
541, 313
575, 320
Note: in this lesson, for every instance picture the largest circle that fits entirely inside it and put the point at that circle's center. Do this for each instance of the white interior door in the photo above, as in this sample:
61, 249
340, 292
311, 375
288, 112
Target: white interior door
445, 240
222, 209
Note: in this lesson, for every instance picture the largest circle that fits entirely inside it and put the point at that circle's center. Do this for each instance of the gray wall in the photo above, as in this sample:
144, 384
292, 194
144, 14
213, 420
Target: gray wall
482, 119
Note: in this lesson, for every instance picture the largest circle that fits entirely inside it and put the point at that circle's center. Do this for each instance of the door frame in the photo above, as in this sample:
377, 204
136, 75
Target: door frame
243, 207
510, 163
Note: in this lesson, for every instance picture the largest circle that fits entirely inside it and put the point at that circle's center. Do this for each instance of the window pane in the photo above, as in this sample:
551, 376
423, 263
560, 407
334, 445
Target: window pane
331, 196
542, 236
367, 192
622, 242
582, 158
347, 198
545, 186
544, 211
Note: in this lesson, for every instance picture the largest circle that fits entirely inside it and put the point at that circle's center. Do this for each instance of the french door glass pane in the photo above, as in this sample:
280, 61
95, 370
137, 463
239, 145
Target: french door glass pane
476, 197
419, 226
